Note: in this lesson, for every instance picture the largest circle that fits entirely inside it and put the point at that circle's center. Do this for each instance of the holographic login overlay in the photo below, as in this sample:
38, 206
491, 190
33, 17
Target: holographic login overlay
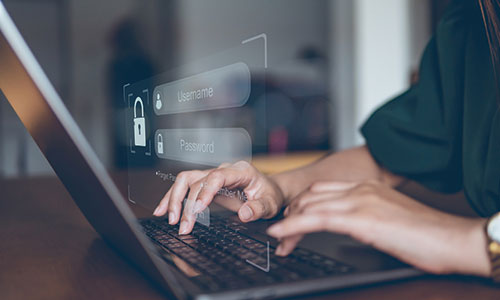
197, 116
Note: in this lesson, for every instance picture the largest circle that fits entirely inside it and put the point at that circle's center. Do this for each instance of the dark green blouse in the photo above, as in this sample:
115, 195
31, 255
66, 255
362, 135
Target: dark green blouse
444, 132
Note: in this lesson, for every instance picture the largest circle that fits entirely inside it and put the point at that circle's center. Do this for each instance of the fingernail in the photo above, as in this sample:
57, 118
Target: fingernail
183, 228
246, 213
274, 230
155, 213
198, 207
171, 218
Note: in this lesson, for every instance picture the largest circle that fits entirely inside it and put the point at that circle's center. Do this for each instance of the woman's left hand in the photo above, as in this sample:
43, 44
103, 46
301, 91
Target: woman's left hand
378, 215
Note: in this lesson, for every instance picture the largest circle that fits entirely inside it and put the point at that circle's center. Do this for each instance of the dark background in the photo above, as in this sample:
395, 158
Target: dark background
89, 49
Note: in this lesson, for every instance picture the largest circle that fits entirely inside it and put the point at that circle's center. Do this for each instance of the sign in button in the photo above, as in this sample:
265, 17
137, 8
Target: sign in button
206, 146
225, 87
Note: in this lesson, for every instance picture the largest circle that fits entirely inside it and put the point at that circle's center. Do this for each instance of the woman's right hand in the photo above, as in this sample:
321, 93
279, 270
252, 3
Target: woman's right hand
264, 197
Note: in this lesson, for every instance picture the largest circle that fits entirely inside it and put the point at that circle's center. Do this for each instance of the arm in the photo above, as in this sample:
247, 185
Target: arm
349, 193
356, 164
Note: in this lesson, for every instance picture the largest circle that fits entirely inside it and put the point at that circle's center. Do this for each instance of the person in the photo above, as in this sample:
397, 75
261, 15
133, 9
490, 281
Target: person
443, 133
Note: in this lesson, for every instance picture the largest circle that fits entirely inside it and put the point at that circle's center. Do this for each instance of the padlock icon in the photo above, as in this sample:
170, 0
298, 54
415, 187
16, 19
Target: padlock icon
159, 147
139, 124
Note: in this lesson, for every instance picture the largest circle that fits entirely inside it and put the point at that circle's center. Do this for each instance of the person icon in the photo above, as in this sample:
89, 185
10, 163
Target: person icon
158, 102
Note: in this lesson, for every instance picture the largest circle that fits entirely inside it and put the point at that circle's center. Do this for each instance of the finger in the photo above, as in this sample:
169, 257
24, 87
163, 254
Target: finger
209, 189
179, 191
288, 244
219, 178
307, 223
161, 209
188, 216
307, 198
255, 209
330, 186
332, 207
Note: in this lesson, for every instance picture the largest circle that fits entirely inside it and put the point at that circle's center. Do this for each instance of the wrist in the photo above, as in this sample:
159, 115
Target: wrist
474, 258
280, 183
484, 265
288, 184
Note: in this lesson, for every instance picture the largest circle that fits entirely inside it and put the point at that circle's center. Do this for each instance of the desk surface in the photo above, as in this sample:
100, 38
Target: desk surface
276, 163
49, 251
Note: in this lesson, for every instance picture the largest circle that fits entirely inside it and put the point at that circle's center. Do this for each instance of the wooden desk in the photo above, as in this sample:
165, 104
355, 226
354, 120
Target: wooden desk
49, 251
276, 163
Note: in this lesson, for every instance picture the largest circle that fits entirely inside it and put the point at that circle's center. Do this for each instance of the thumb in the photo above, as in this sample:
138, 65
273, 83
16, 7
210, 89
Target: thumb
254, 209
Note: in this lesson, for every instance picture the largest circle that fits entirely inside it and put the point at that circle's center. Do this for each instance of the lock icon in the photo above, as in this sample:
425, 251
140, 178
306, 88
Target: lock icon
139, 124
159, 147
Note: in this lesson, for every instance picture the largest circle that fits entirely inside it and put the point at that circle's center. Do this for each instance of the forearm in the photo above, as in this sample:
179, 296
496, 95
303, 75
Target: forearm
356, 164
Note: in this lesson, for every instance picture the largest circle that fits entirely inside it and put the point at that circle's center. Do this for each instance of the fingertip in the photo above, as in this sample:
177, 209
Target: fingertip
161, 208
155, 212
183, 228
286, 250
279, 250
160, 211
186, 225
274, 230
171, 218
245, 213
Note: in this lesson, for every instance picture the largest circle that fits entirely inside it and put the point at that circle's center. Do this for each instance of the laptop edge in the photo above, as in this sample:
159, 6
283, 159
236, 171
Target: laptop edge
32, 96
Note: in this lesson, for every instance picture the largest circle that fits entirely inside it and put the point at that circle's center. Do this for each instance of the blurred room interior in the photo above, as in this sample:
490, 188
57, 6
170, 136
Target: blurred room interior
331, 62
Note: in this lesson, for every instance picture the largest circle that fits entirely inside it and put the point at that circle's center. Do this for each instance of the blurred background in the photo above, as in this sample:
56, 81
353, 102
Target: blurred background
331, 62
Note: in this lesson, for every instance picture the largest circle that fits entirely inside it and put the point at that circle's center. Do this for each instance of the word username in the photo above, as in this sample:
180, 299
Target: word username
198, 94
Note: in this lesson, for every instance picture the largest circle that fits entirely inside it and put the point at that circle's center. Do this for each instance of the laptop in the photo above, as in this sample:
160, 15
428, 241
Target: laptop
222, 258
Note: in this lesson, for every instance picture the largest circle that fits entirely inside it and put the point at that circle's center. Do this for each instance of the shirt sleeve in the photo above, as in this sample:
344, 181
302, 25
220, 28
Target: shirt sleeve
418, 134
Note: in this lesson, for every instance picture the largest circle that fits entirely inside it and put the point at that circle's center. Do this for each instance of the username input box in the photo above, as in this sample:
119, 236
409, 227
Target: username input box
225, 87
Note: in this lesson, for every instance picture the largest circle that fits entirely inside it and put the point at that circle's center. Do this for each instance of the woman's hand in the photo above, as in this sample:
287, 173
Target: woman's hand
378, 215
264, 197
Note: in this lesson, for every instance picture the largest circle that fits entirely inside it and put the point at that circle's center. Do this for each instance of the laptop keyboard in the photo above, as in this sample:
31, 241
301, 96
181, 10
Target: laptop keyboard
221, 254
